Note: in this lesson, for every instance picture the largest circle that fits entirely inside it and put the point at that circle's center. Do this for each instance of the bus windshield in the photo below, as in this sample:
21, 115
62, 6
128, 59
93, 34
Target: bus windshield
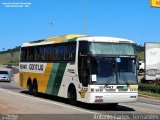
99, 48
112, 70
111, 63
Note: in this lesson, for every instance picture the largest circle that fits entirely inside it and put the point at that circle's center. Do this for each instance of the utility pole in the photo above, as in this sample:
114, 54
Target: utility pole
85, 16
51, 25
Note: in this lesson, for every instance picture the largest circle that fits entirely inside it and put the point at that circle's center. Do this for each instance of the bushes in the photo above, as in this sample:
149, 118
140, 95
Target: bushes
155, 82
149, 88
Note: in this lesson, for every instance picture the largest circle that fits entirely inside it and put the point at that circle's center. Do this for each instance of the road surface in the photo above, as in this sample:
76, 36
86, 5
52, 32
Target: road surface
16, 103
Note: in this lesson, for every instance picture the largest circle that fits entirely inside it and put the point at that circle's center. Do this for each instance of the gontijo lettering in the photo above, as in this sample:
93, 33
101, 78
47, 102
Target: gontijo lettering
36, 67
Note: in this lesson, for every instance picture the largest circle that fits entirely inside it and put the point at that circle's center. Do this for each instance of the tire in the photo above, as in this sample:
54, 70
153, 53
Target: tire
35, 89
72, 96
30, 89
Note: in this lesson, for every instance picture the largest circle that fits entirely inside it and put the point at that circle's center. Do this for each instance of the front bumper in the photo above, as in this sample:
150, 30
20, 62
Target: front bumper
5, 80
112, 97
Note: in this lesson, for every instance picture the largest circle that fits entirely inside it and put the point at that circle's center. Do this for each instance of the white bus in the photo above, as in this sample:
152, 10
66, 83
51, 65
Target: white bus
81, 68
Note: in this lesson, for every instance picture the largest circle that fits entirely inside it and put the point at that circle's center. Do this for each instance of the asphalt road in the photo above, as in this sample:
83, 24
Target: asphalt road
15, 103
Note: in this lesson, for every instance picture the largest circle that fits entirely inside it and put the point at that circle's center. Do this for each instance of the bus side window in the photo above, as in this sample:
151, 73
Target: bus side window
84, 70
70, 51
67, 51
83, 48
49, 53
59, 52
31, 54
39, 53
23, 54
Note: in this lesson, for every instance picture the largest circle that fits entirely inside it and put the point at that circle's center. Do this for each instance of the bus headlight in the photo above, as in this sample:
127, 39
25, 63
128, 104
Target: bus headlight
92, 90
133, 88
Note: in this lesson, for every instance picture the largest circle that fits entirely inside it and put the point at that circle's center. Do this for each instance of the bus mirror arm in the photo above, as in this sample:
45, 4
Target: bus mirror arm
76, 75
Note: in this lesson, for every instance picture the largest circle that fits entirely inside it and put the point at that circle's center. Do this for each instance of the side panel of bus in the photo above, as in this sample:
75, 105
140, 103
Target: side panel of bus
55, 79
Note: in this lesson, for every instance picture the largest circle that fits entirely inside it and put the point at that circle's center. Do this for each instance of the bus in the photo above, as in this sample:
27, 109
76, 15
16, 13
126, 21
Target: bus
81, 68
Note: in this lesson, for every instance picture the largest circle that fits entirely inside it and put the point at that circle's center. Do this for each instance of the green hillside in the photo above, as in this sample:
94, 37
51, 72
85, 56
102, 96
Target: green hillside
140, 52
140, 56
9, 58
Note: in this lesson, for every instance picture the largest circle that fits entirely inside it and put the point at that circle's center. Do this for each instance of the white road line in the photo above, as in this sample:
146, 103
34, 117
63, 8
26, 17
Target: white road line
145, 103
49, 102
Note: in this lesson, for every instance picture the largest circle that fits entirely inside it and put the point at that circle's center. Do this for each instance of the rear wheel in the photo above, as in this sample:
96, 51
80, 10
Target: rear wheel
72, 96
35, 89
30, 88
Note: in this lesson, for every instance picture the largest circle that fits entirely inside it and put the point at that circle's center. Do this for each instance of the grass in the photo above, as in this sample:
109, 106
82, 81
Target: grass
140, 56
6, 58
149, 94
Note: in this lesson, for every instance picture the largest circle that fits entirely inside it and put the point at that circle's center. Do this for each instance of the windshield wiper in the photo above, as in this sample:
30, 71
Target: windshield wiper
127, 83
124, 78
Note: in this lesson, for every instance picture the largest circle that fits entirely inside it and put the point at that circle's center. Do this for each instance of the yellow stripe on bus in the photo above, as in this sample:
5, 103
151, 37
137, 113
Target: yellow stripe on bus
60, 39
42, 78
133, 87
46, 77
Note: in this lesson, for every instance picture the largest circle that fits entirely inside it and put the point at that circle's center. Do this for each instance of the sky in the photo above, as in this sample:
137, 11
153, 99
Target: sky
130, 19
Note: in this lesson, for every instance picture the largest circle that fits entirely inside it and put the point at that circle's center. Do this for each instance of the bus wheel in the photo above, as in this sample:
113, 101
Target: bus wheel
112, 105
30, 88
35, 89
72, 95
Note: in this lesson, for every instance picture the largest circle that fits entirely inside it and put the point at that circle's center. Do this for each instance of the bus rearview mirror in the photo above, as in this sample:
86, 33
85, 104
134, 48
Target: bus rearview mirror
94, 78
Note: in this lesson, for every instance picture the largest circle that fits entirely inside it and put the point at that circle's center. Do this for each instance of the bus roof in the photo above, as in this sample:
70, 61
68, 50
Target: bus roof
104, 39
53, 40
76, 37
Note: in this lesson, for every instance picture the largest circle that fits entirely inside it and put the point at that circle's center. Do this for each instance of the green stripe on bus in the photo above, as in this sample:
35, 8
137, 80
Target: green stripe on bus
73, 39
122, 87
58, 78
70, 40
52, 78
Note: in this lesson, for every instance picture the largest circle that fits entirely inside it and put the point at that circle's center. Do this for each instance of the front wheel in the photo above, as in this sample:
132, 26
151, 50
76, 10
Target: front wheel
72, 96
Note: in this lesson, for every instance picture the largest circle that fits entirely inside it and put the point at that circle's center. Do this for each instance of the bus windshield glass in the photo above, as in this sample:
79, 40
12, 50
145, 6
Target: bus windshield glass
112, 70
111, 63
